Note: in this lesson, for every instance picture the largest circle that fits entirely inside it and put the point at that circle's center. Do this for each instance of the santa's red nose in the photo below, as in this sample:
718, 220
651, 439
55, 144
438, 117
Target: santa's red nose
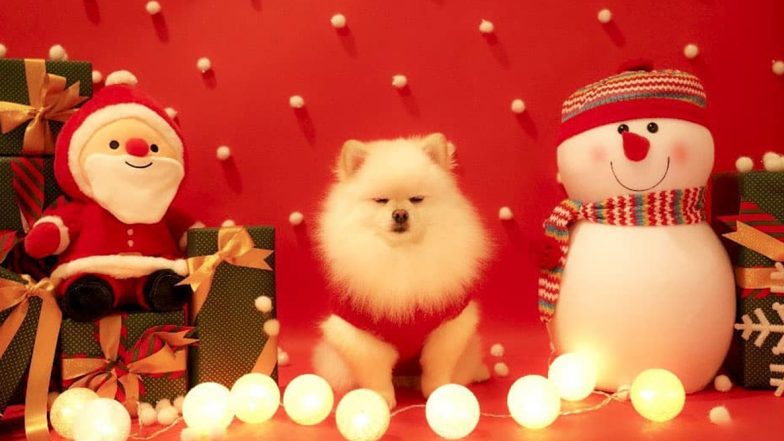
137, 147
635, 146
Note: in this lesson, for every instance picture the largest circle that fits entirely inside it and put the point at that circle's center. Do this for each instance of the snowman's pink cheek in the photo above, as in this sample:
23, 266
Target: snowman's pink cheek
599, 154
680, 153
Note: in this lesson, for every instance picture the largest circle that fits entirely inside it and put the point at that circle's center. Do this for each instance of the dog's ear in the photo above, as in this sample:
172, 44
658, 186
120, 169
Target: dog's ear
351, 158
436, 146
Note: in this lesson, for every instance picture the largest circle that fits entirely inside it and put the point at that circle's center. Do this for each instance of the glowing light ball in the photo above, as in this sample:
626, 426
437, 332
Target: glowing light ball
574, 375
534, 402
102, 419
206, 407
658, 395
362, 415
452, 411
66, 407
255, 398
308, 399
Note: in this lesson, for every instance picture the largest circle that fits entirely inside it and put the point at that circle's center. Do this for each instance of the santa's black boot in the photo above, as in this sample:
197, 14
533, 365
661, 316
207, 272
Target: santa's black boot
163, 294
87, 299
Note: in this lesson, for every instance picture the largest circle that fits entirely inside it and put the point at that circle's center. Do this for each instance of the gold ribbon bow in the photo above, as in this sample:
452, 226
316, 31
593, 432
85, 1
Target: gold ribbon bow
762, 243
17, 295
103, 374
49, 100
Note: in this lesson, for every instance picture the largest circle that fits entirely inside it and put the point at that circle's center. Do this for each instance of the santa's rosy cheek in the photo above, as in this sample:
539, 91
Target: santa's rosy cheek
599, 154
680, 153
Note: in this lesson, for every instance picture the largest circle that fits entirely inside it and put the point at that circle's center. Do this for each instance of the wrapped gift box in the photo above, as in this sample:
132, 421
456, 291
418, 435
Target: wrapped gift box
230, 268
748, 209
133, 356
36, 98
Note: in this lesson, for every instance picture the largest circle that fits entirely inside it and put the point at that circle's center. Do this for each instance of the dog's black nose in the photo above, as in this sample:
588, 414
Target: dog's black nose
400, 216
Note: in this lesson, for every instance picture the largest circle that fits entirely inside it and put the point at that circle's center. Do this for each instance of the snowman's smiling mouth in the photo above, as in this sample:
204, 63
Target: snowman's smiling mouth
137, 166
666, 170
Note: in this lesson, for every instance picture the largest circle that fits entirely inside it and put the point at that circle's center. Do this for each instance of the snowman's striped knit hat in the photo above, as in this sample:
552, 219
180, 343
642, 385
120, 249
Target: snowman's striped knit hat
632, 95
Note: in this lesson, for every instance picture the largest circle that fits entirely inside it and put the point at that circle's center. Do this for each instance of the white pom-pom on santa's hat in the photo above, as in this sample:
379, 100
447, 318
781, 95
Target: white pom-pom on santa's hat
121, 77
744, 164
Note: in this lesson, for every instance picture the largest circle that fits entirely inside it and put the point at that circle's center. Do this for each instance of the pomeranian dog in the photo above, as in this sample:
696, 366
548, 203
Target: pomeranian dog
402, 247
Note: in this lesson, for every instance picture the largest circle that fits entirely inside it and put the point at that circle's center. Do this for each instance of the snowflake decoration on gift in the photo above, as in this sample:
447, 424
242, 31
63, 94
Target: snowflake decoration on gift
765, 328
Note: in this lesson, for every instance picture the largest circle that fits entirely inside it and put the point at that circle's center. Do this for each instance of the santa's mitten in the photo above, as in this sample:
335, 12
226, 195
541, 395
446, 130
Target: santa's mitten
44, 239
549, 253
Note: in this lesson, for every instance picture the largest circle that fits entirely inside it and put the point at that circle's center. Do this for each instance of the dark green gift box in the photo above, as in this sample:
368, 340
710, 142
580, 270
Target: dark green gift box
16, 77
81, 340
23, 181
229, 328
15, 361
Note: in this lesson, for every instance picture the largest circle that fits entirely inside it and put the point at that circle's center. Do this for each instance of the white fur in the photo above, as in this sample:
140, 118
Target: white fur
388, 274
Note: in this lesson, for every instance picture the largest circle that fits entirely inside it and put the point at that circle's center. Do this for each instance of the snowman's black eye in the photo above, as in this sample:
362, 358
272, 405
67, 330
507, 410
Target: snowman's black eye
653, 127
114, 145
154, 148
623, 128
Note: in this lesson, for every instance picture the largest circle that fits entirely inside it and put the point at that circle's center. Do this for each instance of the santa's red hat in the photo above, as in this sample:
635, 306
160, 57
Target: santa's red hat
118, 100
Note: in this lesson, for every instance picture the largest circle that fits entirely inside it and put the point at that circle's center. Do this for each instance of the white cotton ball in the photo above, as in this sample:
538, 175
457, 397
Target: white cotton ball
148, 416
97, 77
296, 102
223, 152
501, 369
153, 8
497, 350
272, 327
145, 406
296, 218
720, 415
228, 223
505, 213
171, 111
744, 164
189, 434
177, 403
604, 16
518, 106
399, 81
121, 77
769, 156
722, 383
773, 164
167, 416
486, 27
57, 53
162, 404
778, 67
3, 50
283, 359
691, 51
338, 21
203, 64
263, 304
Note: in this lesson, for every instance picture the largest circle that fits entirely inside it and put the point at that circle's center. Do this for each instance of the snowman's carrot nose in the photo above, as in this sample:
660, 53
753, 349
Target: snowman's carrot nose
635, 147
137, 147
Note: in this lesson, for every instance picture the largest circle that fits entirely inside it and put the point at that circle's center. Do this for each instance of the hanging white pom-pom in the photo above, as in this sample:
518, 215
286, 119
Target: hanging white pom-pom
57, 53
148, 416
399, 81
744, 164
263, 304
773, 163
121, 77
296, 102
497, 350
228, 223
203, 64
518, 106
97, 77
722, 383
167, 416
283, 358
296, 218
223, 152
171, 112
604, 16
770, 156
338, 21
272, 327
486, 27
778, 67
501, 369
3, 50
505, 213
153, 7
720, 415
691, 51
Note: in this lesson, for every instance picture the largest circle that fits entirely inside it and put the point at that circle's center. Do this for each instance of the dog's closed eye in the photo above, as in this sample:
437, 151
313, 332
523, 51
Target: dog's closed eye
381, 201
416, 199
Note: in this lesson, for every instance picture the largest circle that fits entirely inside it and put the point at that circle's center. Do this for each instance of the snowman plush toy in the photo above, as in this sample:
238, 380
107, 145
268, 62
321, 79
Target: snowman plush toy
120, 161
634, 277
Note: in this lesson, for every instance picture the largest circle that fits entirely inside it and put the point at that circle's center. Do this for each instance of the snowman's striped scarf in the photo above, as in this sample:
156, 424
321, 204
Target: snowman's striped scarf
668, 207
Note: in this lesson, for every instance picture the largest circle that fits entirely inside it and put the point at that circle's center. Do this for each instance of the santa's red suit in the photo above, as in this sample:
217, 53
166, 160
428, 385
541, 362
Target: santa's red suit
92, 231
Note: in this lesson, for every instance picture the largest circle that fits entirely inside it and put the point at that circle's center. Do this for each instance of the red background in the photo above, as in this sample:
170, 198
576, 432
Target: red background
461, 83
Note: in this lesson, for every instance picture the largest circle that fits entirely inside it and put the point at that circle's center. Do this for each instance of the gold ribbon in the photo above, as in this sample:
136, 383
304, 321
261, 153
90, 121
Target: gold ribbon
17, 295
49, 100
762, 243
235, 246
102, 374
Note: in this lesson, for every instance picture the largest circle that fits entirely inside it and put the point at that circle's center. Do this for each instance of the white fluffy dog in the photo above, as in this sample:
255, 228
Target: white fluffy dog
402, 246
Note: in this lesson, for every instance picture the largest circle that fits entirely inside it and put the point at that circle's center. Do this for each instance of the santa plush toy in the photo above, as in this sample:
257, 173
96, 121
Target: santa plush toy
120, 161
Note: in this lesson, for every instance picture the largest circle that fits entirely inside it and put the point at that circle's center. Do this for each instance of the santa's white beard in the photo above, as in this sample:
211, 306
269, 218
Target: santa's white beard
133, 195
